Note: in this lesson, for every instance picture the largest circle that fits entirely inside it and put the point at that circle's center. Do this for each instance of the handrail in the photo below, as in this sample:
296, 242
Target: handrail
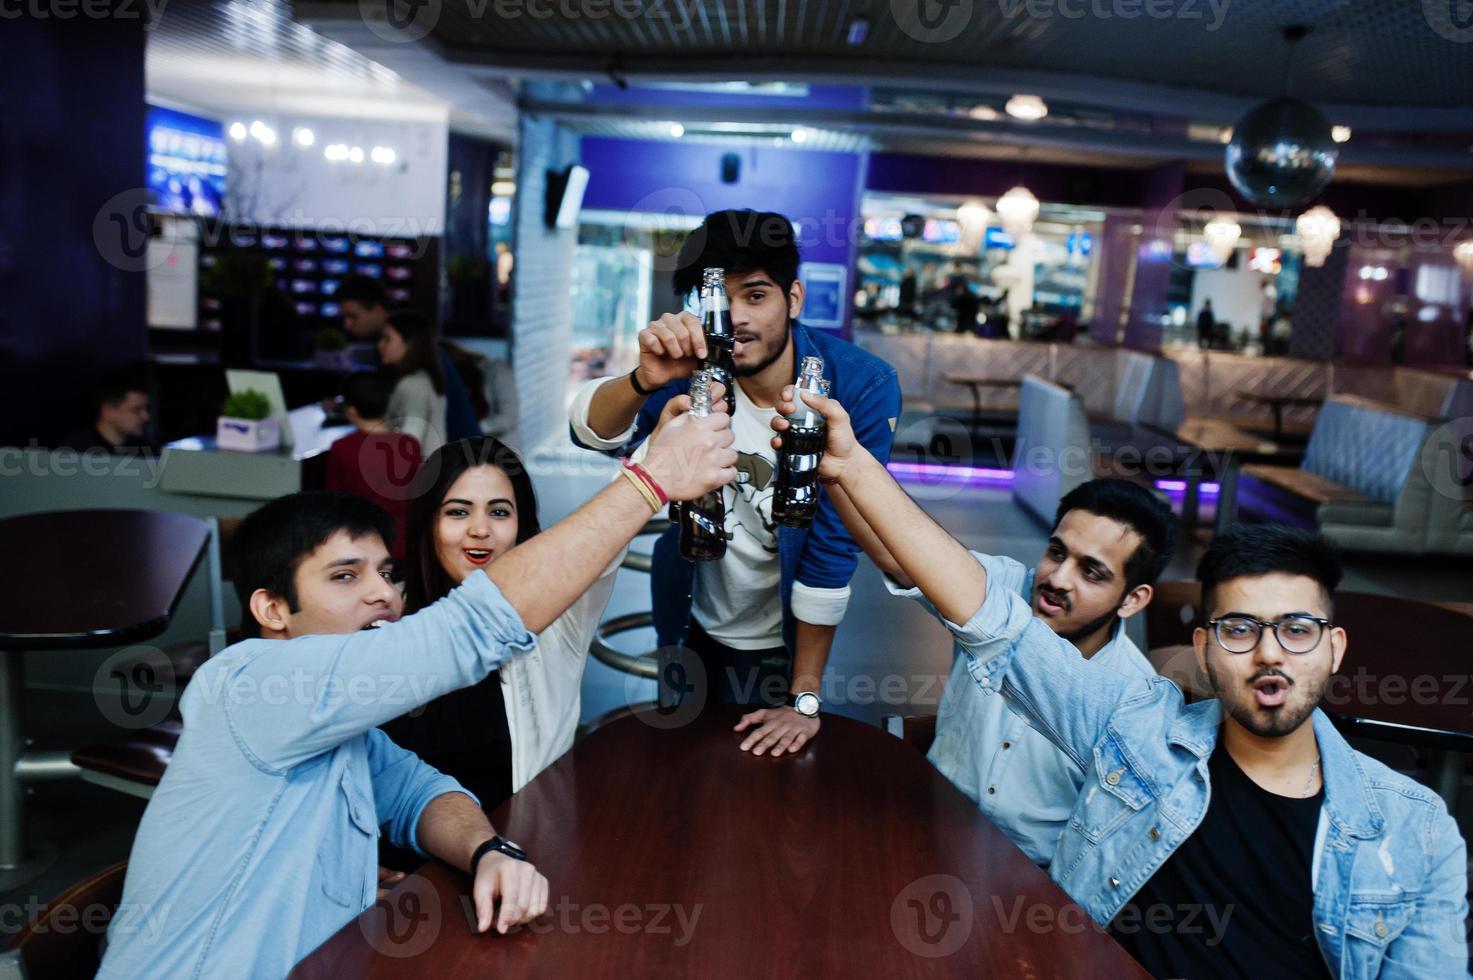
638, 664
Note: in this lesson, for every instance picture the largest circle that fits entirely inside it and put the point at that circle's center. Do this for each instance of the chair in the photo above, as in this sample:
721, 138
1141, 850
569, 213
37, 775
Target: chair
67, 940
915, 730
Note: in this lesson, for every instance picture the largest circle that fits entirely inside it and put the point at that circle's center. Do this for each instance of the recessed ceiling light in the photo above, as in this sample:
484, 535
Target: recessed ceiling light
355, 154
677, 130
303, 136
985, 112
800, 135
1027, 107
237, 131
1340, 134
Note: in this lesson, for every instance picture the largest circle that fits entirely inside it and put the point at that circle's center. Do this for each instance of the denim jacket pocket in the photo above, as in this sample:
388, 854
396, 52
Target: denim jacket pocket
1112, 794
1379, 919
340, 857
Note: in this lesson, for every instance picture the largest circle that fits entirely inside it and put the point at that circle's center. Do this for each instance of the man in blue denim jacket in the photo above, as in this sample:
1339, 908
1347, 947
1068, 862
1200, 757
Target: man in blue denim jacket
778, 595
1239, 836
261, 840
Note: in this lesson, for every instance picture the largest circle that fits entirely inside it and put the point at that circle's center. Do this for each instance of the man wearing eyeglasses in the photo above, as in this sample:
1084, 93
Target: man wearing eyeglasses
1240, 836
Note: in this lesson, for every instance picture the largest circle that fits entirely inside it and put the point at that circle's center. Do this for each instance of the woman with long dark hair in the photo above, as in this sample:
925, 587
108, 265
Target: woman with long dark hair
417, 406
495, 736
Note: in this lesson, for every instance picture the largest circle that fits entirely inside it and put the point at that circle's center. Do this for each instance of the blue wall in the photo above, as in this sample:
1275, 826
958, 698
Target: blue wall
818, 191
71, 141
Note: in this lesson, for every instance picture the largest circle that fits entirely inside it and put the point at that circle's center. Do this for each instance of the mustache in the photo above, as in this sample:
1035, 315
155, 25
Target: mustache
1271, 672
1057, 598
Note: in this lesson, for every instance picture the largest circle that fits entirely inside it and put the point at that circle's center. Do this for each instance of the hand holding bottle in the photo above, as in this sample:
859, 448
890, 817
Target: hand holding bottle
689, 456
670, 348
839, 448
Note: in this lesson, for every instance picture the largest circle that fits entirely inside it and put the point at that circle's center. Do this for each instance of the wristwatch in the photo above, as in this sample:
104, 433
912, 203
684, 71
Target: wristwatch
806, 703
497, 843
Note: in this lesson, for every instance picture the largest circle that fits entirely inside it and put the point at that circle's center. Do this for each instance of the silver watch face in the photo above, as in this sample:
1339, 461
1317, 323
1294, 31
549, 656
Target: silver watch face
806, 704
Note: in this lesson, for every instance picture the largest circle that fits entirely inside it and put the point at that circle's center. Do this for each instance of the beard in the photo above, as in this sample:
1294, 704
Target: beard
1090, 628
747, 371
1268, 722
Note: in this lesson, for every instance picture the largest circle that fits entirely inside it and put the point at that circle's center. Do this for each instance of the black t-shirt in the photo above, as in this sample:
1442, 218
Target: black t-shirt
1235, 900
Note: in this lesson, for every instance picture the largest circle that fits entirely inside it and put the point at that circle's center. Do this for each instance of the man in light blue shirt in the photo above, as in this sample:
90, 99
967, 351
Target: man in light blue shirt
261, 840
1110, 542
1240, 835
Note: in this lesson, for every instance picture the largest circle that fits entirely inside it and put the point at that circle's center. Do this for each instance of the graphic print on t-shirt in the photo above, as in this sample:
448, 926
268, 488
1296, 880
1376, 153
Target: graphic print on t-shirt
753, 501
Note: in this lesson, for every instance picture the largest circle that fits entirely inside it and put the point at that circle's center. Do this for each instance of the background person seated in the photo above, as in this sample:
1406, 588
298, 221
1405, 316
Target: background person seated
120, 416
417, 404
374, 462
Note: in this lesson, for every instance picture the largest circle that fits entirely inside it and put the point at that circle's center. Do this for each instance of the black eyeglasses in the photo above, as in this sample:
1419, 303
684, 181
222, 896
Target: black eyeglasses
1296, 634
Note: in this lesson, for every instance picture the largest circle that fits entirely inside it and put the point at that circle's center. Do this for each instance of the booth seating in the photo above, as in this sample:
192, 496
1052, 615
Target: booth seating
1052, 455
1363, 482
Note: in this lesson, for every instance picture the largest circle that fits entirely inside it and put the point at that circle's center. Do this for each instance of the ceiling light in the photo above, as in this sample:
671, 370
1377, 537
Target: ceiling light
1340, 134
355, 154
677, 130
503, 188
1318, 228
1225, 136
303, 136
972, 217
263, 132
1026, 107
800, 135
1018, 209
1222, 236
984, 112
336, 152
383, 154
237, 131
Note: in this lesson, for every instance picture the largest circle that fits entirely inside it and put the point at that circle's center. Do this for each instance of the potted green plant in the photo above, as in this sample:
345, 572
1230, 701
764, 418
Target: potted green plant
246, 424
331, 346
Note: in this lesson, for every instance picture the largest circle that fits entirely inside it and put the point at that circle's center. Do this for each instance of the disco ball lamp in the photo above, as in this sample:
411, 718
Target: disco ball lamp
1282, 153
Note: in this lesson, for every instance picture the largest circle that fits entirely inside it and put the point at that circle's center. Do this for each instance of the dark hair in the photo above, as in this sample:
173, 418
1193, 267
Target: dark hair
1138, 509
271, 544
366, 291
368, 392
426, 579
114, 386
423, 353
739, 241
1248, 550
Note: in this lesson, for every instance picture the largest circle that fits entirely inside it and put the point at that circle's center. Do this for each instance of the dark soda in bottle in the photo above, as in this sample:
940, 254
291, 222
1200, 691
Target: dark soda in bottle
702, 521
716, 324
795, 493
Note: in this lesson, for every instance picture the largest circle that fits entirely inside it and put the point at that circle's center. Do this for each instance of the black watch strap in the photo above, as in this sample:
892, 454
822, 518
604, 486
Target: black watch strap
499, 844
634, 383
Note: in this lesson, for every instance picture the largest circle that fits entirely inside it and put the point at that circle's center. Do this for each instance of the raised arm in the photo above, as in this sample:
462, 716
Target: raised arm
927, 556
669, 348
686, 456
866, 538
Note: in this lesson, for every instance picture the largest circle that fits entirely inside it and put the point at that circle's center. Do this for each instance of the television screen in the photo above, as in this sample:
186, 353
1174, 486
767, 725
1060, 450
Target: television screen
996, 238
186, 162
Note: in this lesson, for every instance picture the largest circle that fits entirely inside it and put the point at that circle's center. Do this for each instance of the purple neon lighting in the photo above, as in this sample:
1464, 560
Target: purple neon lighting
984, 474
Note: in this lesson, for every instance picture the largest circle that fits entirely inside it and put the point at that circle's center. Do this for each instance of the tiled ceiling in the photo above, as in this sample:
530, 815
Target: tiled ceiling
1360, 52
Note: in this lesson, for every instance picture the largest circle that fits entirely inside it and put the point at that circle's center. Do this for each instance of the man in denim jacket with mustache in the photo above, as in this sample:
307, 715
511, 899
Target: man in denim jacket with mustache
1238, 836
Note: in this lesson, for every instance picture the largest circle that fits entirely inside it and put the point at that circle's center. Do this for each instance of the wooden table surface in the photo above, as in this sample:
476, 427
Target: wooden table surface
671, 853
90, 578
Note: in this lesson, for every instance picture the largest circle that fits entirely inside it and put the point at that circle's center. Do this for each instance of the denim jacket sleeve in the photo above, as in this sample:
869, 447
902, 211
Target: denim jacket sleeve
1435, 941
1041, 675
297, 698
830, 555
403, 785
